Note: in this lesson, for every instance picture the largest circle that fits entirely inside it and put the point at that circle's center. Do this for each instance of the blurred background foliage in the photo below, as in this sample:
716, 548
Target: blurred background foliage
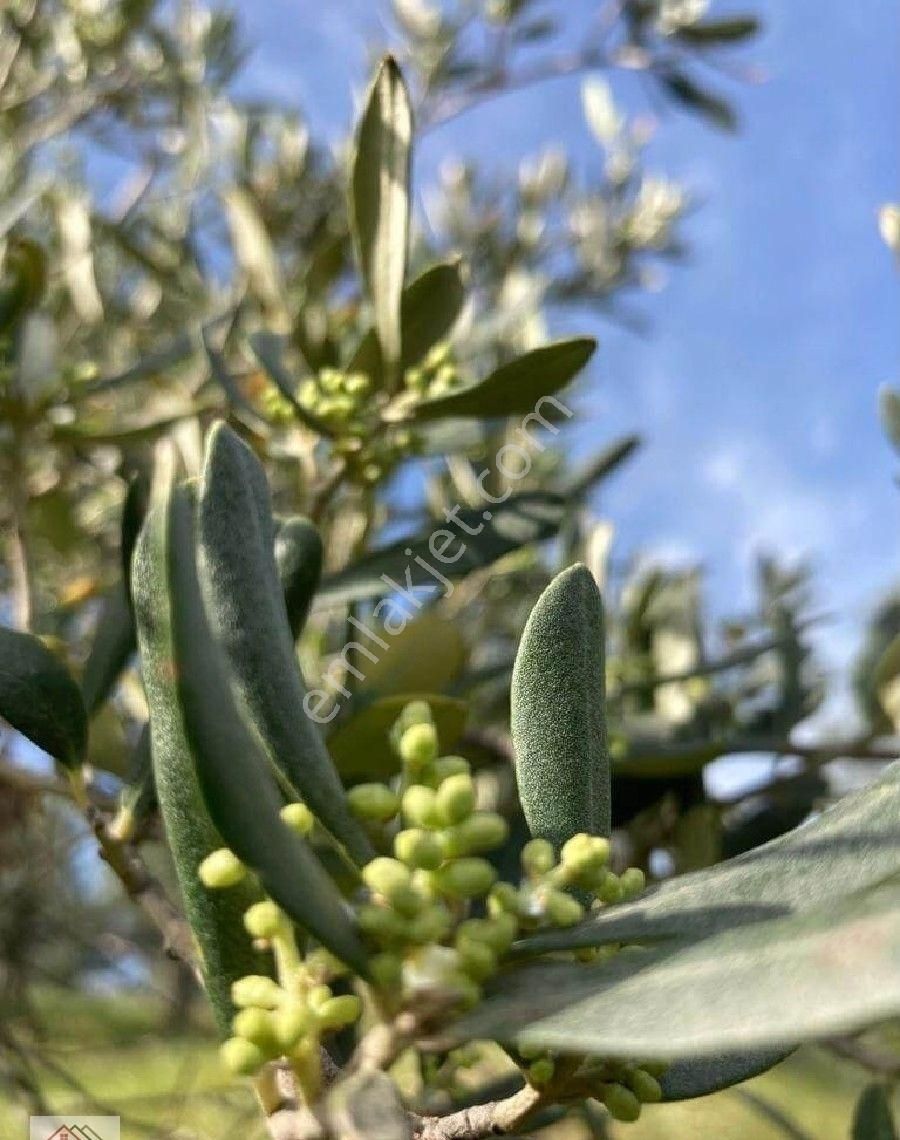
217, 279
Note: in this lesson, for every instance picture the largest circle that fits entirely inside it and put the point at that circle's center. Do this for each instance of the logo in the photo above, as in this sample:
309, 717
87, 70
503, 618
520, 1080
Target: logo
74, 1128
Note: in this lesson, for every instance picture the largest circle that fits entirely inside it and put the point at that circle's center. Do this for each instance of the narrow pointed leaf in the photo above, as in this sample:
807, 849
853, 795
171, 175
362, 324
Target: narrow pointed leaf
39, 698
234, 773
215, 917
429, 308
247, 611
733, 30
515, 388
602, 465
850, 847
112, 647
700, 1076
298, 558
380, 201
699, 100
483, 537
873, 1118
558, 714
831, 970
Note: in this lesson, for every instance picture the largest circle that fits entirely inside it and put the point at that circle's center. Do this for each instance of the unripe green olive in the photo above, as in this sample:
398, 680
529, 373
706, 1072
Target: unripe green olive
419, 745
256, 990
432, 925
386, 970
385, 876
338, 1011
451, 766
478, 960
375, 802
562, 909
583, 854
537, 858
299, 818
418, 848
220, 869
540, 1072
503, 899
609, 889
621, 1103
264, 920
456, 798
466, 878
420, 806
241, 1057
381, 922
645, 1087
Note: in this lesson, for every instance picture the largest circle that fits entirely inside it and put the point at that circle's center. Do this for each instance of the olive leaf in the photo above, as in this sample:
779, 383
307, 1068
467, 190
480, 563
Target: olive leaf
39, 698
558, 715
515, 388
215, 917
234, 773
267, 348
380, 201
873, 1118
367, 1106
481, 537
429, 308
298, 559
247, 612
686, 91
112, 647
776, 982
703, 33
602, 465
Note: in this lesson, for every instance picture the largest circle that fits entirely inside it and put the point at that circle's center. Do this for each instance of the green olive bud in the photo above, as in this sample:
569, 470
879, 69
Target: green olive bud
478, 960
456, 798
241, 1057
432, 925
482, 831
322, 964
256, 990
331, 380
357, 384
621, 1103
655, 1068
373, 802
318, 995
292, 1023
498, 932
299, 818
562, 909
541, 1072
645, 1087
381, 923
258, 1026
503, 899
264, 920
468, 990
420, 806
584, 854
419, 745
451, 766
418, 848
221, 868
608, 889
308, 393
537, 858
386, 970
385, 876
338, 1011
632, 881
466, 878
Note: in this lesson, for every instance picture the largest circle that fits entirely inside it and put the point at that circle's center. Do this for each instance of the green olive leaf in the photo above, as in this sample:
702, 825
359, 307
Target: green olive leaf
298, 559
873, 1118
379, 205
558, 711
39, 698
247, 611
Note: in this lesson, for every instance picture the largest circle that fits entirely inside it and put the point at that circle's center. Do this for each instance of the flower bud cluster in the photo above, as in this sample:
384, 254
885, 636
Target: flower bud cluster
624, 1088
437, 375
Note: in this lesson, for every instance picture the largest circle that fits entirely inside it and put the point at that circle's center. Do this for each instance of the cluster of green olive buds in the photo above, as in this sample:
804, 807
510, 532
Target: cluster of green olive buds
623, 1087
415, 914
437, 374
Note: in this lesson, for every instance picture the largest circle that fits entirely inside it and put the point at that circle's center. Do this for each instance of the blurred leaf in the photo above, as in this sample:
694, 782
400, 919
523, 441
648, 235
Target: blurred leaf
367, 1106
429, 308
699, 100
74, 219
160, 362
360, 746
558, 712
252, 247
519, 521
39, 698
711, 32
267, 347
602, 465
427, 655
380, 201
873, 1118
700, 1076
248, 616
514, 388
852, 846
779, 981
235, 776
113, 644
298, 558
889, 411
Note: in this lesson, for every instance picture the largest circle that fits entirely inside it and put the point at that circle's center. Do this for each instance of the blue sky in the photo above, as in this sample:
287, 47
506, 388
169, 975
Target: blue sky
755, 387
